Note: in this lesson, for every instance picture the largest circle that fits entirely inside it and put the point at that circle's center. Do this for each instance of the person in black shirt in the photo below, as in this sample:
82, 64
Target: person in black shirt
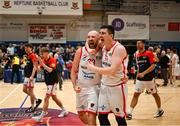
145, 61
164, 61
49, 64
30, 75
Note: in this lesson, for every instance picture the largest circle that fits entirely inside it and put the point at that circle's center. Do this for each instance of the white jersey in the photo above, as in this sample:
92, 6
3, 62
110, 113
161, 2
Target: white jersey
87, 78
175, 59
106, 62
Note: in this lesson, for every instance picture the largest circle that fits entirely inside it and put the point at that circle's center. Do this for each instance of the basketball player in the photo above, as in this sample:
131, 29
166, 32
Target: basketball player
175, 67
112, 97
145, 61
85, 82
30, 74
51, 79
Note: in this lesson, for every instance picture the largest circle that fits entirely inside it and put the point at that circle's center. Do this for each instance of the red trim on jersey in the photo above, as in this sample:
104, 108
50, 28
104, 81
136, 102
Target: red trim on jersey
86, 49
120, 116
81, 53
124, 68
91, 112
114, 85
88, 111
124, 99
104, 112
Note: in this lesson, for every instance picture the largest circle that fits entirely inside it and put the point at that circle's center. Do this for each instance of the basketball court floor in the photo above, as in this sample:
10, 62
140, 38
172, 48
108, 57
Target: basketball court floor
11, 96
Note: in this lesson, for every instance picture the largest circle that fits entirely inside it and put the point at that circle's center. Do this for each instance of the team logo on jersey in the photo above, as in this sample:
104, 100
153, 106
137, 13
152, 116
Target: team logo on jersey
110, 54
102, 107
91, 60
75, 6
53, 65
106, 64
84, 57
106, 57
92, 105
7, 4
88, 75
117, 109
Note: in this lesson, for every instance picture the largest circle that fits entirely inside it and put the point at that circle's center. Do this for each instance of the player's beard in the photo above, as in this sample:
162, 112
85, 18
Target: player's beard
92, 44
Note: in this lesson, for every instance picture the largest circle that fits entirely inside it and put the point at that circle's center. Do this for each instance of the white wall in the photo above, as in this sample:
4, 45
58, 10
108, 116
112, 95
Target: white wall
0, 26
159, 30
77, 27
161, 15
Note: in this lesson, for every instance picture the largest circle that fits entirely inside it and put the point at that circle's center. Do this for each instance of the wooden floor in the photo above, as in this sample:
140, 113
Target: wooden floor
11, 96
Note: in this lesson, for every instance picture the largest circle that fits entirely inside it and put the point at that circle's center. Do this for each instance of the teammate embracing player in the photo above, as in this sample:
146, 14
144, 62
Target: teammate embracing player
145, 61
85, 82
113, 93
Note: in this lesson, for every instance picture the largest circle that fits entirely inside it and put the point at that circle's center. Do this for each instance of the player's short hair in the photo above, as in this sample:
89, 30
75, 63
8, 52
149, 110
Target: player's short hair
109, 28
143, 41
28, 45
44, 49
174, 51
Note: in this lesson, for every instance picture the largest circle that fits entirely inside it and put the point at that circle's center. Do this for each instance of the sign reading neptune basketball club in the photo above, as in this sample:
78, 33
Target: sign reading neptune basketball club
129, 27
47, 33
44, 7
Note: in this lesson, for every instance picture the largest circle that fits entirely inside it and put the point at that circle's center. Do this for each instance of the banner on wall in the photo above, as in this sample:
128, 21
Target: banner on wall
130, 27
12, 25
44, 7
47, 33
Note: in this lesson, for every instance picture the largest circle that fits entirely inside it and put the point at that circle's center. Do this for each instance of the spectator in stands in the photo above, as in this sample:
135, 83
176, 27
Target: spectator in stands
169, 55
7, 62
60, 68
78, 46
69, 66
175, 67
1, 55
164, 63
15, 68
10, 51
21, 51
157, 53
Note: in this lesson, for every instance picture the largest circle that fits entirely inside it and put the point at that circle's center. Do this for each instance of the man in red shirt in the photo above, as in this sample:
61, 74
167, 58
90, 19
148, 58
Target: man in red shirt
51, 79
146, 63
30, 75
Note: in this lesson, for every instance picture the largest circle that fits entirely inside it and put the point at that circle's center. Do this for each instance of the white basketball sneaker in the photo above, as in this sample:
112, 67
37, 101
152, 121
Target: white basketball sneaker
63, 113
40, 117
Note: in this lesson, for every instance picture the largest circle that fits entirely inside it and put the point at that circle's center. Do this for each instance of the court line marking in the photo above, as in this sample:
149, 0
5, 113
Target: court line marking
9, 94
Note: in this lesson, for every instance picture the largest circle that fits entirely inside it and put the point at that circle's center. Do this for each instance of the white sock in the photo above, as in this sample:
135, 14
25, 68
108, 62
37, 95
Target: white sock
159, 109
63, 109
32, 105
131, 110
